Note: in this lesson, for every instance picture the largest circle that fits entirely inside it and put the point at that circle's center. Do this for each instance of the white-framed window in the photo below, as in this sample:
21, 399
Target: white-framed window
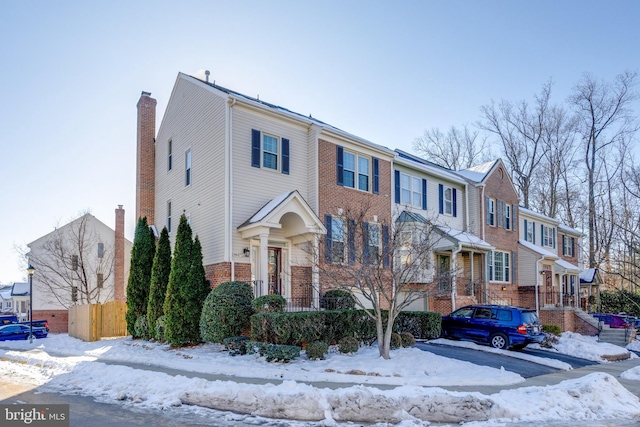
529, 232
548, 236
338, 247
170, 155
187, 168
568, 246
507, 216
169, 216
491, 212
270, 155
356, 166
373, 243
100, 250
410, 190
447, 197
499, 266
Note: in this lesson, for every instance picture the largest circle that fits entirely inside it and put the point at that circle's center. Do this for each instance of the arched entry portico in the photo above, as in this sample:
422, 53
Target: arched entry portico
278, 236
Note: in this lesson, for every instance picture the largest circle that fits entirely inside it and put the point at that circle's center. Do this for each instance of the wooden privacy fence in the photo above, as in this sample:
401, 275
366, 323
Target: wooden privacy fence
90, 322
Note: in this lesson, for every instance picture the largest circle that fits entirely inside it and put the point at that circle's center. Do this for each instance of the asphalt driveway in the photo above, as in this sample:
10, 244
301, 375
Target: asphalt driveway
525, 368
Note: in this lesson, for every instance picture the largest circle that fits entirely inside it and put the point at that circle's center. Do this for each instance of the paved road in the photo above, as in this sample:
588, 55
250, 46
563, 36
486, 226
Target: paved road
525, 368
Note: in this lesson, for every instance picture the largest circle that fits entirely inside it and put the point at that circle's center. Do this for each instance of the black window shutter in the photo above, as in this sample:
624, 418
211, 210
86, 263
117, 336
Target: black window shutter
563, 245
541, 234
352, 241
327, 240
376, 176
385, 246
525, 231
441, 197
339, 165
424, 194
533, 226
514, 271
486, 211
255, 148
514, 219
365, 241
285, 156
396, 178
455, 202
498, 210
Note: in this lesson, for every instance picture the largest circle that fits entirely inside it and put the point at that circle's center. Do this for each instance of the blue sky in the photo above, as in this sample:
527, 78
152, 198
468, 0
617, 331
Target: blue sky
72, 72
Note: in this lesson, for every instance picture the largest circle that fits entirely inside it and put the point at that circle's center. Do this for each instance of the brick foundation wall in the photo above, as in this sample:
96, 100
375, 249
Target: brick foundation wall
221, 272
58, 319
564, 318
301, 282
527, 296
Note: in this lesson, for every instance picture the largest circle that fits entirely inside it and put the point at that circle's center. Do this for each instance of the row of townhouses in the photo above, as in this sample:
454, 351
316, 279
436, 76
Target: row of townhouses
260, 183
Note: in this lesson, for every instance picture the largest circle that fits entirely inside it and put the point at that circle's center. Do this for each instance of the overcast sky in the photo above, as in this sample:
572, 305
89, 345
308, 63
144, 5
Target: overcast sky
72, 73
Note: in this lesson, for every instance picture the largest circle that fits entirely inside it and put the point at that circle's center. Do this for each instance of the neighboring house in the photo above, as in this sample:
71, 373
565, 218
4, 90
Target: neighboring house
6, 302
428, 194
257, 183
493, 207
84, 261
20, 300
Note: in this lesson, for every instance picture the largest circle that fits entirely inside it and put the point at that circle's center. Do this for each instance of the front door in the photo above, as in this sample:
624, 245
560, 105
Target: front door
275, 270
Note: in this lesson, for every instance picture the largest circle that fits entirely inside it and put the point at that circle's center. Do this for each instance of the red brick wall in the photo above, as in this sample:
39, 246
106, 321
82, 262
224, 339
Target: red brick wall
567, 320
527, 296
118, 273
333, 196
146, 155
221, 272
58, 319
301, 282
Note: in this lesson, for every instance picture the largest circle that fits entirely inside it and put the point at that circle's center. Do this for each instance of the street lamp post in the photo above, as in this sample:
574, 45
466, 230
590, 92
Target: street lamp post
30, 272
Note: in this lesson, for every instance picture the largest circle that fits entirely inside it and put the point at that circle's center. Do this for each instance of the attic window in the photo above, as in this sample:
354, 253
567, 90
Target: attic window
501, 173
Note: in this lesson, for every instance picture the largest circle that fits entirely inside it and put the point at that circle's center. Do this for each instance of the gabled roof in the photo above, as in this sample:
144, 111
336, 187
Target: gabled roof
5, 292
569, 230
257, 102
480, 172
540, 251
466, 239
590, 276
533, 214
567, 266
407, 216
420, 164
20, 289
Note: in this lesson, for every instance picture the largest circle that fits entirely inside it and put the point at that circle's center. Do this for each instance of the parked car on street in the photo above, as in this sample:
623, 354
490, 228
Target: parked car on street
18, 331
499, 326
613, 320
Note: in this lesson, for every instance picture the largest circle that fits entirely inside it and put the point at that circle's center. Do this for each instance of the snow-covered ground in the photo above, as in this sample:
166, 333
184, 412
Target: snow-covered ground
64, 364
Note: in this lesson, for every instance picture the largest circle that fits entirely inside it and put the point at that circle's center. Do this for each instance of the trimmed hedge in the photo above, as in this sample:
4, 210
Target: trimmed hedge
407, 339
269, 304
331, 326
317, 350
226, 311
337, 299
552, 329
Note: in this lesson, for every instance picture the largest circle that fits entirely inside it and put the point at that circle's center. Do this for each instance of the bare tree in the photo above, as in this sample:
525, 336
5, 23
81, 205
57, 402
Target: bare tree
521, 132
605, 117
384, 266
73, 264
457, 149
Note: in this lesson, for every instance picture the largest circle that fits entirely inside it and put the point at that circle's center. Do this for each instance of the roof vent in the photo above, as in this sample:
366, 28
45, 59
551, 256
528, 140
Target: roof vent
206, 74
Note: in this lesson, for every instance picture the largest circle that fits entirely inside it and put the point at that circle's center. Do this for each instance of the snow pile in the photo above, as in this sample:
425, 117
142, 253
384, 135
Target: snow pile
586, 347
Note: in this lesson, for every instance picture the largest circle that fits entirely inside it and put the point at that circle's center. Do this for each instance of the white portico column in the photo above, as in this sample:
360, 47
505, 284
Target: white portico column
264, 263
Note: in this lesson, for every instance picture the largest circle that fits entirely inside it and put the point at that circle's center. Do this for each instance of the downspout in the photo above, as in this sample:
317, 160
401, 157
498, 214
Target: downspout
454, 283
538, 274
228, 232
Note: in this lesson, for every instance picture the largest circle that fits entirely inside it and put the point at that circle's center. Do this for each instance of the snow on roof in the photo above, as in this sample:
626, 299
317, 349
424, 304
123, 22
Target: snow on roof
541, 251
467, 239
567, 266
5, 293
419, 162
20, 289
479, 172
567, 229
588, 275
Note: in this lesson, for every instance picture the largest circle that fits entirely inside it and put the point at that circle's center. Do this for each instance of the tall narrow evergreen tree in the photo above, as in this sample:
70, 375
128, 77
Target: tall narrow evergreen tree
159, 281
177, 317
142, 255
196, 292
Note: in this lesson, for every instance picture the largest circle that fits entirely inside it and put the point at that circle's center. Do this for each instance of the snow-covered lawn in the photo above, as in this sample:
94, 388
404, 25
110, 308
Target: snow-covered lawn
64, 364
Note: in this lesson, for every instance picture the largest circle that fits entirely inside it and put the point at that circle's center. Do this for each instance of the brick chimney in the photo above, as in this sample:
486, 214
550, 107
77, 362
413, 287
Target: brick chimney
118, 274
146, 158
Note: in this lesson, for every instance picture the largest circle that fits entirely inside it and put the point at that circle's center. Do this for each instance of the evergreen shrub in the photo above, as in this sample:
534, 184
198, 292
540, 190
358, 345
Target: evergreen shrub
236, 345
396, 340
552, 329
142, 328
226, 311
420, 324
269, 304
317, 350
337, 299
348, 345
407, 339
160, 337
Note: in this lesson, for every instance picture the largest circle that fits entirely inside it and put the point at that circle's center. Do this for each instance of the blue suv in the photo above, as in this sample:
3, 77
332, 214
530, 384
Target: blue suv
497, 325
